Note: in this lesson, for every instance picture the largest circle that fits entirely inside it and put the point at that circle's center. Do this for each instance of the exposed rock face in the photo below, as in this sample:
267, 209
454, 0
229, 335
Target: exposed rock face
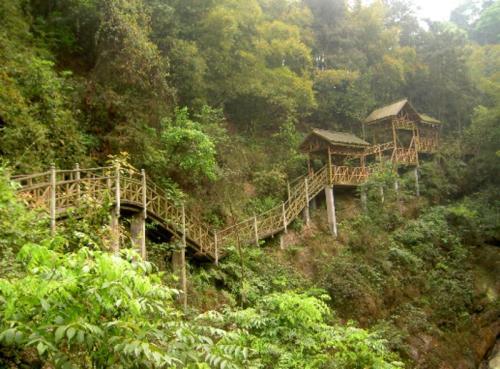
493, 359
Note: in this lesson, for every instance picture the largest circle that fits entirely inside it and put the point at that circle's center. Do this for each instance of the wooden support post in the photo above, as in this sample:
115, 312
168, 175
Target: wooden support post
307, 218
382, 198
417, 184
330, 173
53, 199
283, 210
288, 191
183, 260
309, 166
78, 179
395, 143
115, 214
216, 246
256, 231
144, 213
330, 208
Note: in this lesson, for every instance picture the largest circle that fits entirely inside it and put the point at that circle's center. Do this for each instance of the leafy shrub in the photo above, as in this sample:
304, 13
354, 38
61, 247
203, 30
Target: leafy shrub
93, 309
290, 330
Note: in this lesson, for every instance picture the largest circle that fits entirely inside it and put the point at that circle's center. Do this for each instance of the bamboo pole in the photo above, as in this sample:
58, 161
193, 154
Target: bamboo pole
53, 199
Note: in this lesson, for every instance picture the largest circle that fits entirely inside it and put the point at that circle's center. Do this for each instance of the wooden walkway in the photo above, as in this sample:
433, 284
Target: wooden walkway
60, 190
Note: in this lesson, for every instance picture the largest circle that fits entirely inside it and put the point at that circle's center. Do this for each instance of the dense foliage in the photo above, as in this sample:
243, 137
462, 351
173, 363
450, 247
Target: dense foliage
212, 98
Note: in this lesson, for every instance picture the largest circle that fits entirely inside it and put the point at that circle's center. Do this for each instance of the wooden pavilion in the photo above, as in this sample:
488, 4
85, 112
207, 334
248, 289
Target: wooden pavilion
335, 147
342, 152
400, 133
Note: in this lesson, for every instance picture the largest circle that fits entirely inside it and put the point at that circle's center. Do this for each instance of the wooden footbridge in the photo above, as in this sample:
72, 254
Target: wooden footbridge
61, 190
398, 133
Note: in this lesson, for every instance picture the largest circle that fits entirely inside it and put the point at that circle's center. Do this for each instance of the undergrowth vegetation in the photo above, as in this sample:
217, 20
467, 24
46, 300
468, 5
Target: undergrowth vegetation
70, 303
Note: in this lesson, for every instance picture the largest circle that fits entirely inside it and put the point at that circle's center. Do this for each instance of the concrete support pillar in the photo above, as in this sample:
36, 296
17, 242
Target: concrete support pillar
307, 217
363, 199
330, 208
138, 233
282, 241
179, 269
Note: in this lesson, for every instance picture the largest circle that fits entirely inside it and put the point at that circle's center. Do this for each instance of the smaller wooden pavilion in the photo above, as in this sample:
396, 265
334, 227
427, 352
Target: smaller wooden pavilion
335, 147
342, 152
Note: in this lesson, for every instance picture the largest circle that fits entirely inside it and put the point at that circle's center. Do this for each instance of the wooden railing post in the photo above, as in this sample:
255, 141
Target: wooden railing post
183, 260
288, 190
77, 178
115, 215
256, 231
52, 198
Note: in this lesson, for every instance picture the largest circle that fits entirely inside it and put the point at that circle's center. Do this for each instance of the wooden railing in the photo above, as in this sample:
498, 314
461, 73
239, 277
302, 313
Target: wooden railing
60, 190
405, 156
427, 144
379, 148
343, 175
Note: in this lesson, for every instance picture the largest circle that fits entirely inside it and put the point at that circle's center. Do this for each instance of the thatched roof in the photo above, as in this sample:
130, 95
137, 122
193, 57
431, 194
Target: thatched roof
386, 111
428, 119
394, 109
338, 138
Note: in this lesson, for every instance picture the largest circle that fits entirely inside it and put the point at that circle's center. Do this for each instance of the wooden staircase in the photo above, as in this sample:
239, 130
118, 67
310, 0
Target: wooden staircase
60, 190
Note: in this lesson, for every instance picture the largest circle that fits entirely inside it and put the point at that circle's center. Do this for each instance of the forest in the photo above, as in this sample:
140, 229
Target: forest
212, 98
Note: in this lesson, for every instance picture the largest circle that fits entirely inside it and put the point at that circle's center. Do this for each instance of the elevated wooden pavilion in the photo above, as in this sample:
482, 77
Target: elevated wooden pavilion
399, 132
336, 147
342, 152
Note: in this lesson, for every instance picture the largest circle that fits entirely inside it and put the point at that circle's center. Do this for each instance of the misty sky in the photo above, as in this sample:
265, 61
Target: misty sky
436, 9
